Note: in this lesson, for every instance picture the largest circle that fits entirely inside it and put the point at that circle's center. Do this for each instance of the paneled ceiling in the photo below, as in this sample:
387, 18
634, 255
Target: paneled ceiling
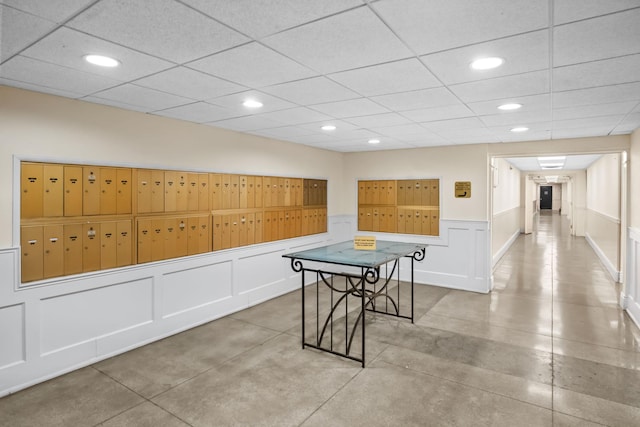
392, 70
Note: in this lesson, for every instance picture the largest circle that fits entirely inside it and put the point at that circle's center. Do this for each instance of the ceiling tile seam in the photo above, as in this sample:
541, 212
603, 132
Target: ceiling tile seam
56, 28
623, 118
600, 60
448, 89
213, 18
551, 54
79, 95
596, 17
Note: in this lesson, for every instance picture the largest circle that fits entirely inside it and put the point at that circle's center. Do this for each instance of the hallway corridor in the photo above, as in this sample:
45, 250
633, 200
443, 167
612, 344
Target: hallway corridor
548, 347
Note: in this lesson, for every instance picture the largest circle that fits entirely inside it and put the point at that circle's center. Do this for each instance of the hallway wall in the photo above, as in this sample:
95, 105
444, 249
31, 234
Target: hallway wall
505, 226
630, 298
602, 225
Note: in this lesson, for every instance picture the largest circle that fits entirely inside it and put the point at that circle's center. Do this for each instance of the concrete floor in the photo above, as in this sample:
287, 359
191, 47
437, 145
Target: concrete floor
549, 346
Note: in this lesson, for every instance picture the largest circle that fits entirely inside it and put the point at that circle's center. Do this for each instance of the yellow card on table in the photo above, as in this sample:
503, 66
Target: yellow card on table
364, 243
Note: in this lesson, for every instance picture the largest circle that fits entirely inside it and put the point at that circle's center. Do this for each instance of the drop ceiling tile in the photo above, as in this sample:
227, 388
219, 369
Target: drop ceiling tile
316, 90
398, 76
295, 116
438, 25
12, 24
148, 99
37, 88
358, 135
350, 108
440, 126
164, 28
598, 38
516, 118
598, 73
524, 163
582, 111
53, 76
259, 18
341, 42
591, 122
314, 139
504, 132
342, 127
434, 141
189, 83
412, 129
541, 135
285, 132
581, 161
387, 119
55, 11
198, 112
246, 123
440, 113
252, 65
597, 95
630, 123
522, 53
425, 98
111, 103
574, 10
67, 48
234, 102
581, 132
533, 83
529, 103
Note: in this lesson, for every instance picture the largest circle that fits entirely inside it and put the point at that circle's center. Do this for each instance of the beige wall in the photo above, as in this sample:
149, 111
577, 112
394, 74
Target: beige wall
634, 180
41, 126
450, 164
506, 206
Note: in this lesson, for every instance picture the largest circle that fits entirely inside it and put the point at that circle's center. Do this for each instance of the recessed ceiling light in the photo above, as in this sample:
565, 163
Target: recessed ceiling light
520, 129
374, 141
508, 107
102, 61
552, 158
328, 127
487, 63
252, 103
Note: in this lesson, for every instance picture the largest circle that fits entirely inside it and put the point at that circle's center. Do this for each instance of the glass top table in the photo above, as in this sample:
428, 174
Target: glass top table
337, 301
343, 253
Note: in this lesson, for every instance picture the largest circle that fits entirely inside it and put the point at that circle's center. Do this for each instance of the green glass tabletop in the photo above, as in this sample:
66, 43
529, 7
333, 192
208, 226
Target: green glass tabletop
344, 254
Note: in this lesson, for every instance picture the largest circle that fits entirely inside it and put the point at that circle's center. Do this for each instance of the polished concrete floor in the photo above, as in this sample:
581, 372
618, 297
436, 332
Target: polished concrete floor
549, 346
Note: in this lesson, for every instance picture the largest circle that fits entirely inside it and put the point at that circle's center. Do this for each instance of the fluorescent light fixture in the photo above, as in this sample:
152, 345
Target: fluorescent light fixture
374, 141
328, 127
552, 158
252, 103
552, 165
519, 129
509, 107
487, 63
101, 60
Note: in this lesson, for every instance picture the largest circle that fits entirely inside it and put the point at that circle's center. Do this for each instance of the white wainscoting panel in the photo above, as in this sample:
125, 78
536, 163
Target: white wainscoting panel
630, 298
52, 327
505, 229
603, 234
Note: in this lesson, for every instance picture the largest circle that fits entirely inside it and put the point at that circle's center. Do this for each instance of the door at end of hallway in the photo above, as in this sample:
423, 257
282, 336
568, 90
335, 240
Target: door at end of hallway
545, 196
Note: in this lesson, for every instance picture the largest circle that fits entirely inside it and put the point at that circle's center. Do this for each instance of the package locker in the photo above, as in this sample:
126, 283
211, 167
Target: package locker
32, 246
182, 238
53, 195
108, 192
259, 192
91, 190
157, 239
170, 191
124, 243
108, 245
123, 191
157, 191
243, 192
217, 231
203, 192
143, 188
32, 187
145, 241
259, 227
182, 196
73, 190
91, 252
72, 234
235, 191
215, 187
169, 238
